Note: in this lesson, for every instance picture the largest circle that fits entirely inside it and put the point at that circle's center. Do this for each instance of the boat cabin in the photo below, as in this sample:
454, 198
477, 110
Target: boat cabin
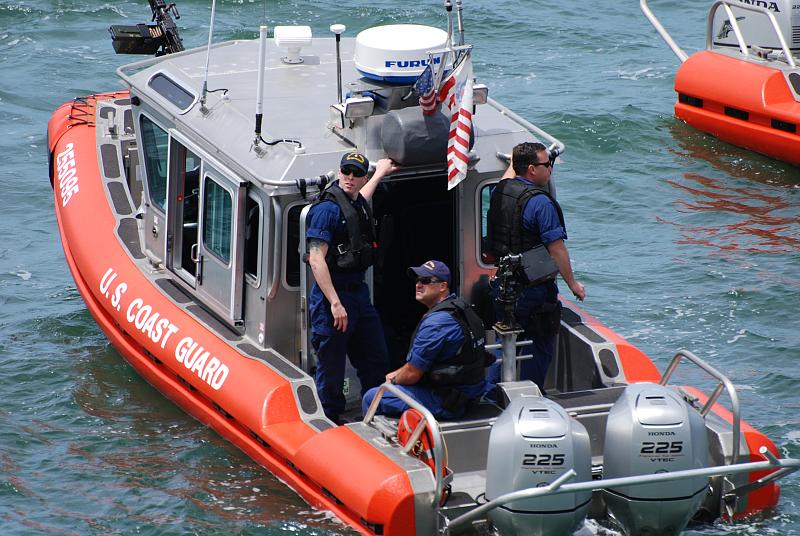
225, 218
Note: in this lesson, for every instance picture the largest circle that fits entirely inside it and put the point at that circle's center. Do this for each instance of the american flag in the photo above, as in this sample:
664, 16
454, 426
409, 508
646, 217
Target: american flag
456, 93
426, 90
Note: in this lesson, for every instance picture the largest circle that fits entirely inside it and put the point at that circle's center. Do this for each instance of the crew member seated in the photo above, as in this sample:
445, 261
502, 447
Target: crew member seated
444, 367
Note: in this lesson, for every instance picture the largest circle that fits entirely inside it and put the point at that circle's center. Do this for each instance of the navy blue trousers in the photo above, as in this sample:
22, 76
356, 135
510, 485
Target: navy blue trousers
363, 343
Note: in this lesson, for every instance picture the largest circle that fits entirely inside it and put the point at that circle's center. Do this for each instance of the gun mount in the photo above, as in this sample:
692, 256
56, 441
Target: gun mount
159, 38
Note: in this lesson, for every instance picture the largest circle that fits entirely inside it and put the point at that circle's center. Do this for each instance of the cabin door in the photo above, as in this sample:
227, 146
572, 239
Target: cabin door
183, 218
219, 253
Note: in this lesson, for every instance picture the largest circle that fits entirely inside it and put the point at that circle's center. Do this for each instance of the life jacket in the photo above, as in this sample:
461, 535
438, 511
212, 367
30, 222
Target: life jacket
505, 230
466, 367
353, 248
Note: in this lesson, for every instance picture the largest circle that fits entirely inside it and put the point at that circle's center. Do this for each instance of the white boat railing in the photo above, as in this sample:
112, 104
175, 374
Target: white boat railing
743, 48
726, 5
682, 55
556, 145
785, 466
724, 384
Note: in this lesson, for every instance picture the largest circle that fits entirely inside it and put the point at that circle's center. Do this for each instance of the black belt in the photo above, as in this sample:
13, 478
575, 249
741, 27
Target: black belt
348, 287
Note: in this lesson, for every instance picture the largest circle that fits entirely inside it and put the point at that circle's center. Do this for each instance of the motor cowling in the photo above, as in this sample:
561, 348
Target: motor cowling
756, 28
651, 429
532, 443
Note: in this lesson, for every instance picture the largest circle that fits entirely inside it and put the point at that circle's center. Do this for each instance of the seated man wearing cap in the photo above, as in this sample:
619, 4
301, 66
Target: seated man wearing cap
444, 367
341, 244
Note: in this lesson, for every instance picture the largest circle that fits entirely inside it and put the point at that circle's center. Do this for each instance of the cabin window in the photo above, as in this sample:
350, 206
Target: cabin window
292, 255
217, 220
154, 144
252, 238
170, 90
484, 196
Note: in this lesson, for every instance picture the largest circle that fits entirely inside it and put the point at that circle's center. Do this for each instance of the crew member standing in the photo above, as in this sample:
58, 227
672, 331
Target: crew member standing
523, 215
444, 370
341, 244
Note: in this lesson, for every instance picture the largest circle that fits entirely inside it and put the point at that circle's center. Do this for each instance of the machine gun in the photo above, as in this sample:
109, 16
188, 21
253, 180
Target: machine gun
508, 285
507, 328
158, 39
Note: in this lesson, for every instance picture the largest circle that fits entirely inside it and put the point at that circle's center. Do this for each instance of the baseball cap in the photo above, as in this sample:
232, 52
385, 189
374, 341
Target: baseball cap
436, 269
357, 160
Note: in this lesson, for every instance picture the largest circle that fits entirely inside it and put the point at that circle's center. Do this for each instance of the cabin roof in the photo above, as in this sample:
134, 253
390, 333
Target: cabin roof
296, 105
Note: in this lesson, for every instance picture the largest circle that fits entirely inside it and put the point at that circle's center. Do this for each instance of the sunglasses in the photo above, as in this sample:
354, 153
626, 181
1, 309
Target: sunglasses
549, 163
427, 280
354, 171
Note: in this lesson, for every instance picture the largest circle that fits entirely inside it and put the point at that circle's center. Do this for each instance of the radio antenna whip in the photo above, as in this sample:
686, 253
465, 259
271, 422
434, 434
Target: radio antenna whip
208, 56
338, 29
262, 60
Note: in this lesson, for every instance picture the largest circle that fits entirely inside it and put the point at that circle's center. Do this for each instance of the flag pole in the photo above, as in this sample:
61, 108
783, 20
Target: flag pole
448, 6
460, 23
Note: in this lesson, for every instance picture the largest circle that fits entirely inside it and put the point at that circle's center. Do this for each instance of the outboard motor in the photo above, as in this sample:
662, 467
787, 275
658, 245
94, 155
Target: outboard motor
756, 28
651, 429
532, 443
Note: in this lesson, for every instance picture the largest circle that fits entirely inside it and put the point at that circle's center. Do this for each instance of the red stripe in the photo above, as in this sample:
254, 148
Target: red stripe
457, 152
449, 83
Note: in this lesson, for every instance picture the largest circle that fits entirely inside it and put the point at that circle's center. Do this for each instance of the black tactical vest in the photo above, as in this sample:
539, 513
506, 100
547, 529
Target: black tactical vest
353, 248
504, 220
466, 367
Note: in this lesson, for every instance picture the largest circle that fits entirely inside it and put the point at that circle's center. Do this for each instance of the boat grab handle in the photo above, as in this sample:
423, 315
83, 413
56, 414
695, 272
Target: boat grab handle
724, 383
274, 276
737, 31
682, 55
438, 442
556, 145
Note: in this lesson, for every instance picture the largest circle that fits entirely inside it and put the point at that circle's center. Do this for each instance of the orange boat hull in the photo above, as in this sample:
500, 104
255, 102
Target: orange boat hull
248, 403
242, 398
740, 102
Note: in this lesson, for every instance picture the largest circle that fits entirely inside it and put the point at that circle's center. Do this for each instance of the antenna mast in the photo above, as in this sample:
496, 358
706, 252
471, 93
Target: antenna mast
460, 23
208, 57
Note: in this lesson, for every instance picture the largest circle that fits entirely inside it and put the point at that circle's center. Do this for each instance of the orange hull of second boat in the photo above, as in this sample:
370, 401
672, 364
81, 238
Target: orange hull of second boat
740, 102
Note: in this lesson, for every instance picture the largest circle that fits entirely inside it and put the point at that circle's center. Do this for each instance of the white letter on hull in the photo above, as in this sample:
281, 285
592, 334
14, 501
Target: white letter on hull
198, 360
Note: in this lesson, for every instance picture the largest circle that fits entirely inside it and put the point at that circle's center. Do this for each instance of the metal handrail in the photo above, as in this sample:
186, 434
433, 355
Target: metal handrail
682, 55
724, 383
737, 31
274, 277
438, 442
560, 485
555, 144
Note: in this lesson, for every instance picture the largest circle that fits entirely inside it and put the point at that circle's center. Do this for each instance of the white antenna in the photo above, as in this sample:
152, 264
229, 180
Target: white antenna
208, 57
262, 59
338, 29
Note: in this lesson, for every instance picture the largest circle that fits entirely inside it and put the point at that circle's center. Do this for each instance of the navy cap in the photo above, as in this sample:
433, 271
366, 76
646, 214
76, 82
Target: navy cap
357, 160
436, 269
